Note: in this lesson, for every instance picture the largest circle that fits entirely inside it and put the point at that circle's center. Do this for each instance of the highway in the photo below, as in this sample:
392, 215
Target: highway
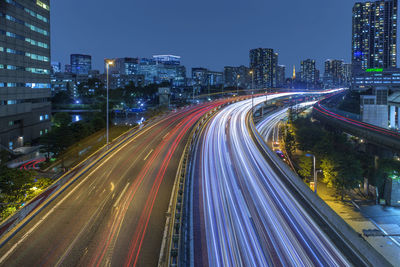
373, 134
114, 215
243, 215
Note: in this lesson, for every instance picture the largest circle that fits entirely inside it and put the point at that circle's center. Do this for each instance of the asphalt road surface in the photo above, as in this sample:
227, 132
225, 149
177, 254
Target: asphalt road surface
114, 215
243, 215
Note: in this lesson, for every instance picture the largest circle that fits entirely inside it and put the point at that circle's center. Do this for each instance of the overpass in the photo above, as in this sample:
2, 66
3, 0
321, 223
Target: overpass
375, 135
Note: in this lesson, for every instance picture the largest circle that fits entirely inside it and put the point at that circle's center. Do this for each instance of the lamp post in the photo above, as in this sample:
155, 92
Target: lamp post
314, 172
108, 64
237, 84
252, 92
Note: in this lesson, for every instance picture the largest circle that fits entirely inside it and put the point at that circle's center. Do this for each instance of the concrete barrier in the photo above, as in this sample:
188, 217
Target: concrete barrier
359, 247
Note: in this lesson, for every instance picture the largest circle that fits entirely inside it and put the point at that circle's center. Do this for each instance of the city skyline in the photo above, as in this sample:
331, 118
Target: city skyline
292, 33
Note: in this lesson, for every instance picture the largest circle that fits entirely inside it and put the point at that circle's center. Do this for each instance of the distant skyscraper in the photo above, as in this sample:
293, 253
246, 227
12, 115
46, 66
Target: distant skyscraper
200, 76
167, 59
308, 72
67, 68
237, 76
281, 76
374, 35
56, 67
81, 64
123, 66
264, 63
25, 108
333, 76
347, 74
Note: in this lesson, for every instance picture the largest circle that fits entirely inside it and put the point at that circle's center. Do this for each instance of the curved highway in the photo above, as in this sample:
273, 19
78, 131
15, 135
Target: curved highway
243, 215
114, 214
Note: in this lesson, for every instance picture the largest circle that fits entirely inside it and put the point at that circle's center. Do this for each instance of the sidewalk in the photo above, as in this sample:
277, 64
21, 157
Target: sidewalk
369, 217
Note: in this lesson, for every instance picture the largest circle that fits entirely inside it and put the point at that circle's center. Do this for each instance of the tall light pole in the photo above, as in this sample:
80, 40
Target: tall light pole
108, 64
237, 84
314, 172
252, 92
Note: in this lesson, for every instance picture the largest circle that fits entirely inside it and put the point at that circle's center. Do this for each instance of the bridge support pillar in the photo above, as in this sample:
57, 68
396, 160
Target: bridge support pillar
392, 111
398, 118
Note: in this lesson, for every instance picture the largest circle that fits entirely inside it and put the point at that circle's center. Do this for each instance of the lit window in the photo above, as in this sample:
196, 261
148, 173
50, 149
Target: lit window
42, 5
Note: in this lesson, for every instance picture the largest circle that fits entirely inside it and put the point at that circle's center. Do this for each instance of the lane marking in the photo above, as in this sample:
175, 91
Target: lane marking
165, 136
112, 186
151, 151
120, 196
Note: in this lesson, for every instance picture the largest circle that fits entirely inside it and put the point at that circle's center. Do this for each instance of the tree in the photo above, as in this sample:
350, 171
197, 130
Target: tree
14, 184
290, 142
62, 97
329, 171
349, 173
61, 120
305, 167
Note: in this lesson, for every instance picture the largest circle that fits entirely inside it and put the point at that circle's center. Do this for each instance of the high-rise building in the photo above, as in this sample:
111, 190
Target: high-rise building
56, 67
374, 35
333, 76
25, 69
346, 74
81, 64
200, 76
281, 76
264, 63
308, 73
167, 59
123, 66
237, 76
215, 78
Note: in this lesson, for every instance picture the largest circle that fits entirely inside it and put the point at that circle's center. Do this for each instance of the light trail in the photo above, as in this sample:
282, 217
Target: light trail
248, 215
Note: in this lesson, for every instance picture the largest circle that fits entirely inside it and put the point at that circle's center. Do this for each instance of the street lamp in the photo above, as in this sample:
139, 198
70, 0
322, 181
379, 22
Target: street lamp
108, 64
252, 92
314, 172
237, 84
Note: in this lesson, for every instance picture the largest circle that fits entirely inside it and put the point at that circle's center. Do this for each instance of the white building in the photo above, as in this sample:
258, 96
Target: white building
394, 110
374, 108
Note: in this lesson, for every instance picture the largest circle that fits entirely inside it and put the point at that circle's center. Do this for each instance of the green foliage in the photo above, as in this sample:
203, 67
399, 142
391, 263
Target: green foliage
14, 184
306, 165
289, 139
18, 186
62, 97
339, 158
61, 120
329, 168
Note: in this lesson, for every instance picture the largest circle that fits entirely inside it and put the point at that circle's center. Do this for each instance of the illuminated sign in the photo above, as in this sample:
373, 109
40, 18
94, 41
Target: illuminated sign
374, 70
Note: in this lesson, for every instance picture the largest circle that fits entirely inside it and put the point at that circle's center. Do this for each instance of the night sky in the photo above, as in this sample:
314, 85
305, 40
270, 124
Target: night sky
206, 33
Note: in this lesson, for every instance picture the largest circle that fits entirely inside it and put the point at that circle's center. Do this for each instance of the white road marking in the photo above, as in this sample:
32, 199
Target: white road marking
148, 154
165, 136
120, 196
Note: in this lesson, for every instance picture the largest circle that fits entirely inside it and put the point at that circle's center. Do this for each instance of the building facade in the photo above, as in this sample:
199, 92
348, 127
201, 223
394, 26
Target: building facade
374, 39
281, 76
372, 78
264, 64
81, 64
308, 73
333, 75
374, 108
25, 92
237, 77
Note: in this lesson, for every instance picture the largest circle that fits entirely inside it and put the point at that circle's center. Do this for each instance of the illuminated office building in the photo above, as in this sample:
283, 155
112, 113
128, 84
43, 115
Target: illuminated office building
25, 106
81, 64
264, 64
374, 35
